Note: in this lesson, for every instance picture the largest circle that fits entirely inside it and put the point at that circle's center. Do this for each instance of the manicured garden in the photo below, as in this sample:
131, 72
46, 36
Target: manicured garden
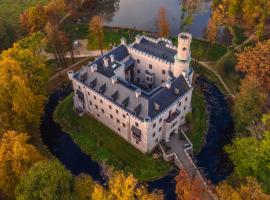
103, 145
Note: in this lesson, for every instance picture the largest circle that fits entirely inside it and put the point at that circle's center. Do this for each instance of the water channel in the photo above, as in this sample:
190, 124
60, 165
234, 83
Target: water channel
211, 158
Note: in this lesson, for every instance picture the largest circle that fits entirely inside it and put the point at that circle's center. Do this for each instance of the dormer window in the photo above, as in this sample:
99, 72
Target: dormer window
157, 107
176, 91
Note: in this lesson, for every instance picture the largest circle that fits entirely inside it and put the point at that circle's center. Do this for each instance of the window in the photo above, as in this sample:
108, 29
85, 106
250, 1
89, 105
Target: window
186, 99
96, 106
124, 125
163, 81
159, 129
136, 124
150, 66
163, 71
88, 93
160, 120
79, 87
180, 103
154, 125
111, 116
137, 142
124, 116
100, 101
138, 71
182, 117
98, 115
118, 121
102, 110
154, 134
147, 78
90, 102
95, 97
156, 140
138, 80
119, 129
138, 60
110, 106
185, 108
116, 111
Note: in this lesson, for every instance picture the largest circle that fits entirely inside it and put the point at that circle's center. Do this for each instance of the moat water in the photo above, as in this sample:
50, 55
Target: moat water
212, 160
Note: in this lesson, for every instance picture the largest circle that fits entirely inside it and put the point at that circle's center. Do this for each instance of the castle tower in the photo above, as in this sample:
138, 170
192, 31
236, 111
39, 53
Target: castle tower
182, 58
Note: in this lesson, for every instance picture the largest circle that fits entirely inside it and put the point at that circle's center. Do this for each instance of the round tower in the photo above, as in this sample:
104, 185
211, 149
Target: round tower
182, 58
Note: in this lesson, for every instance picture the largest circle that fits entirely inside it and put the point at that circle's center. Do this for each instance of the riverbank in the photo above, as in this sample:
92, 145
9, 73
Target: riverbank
103, 145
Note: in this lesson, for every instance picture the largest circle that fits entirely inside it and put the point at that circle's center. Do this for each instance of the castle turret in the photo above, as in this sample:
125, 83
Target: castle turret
182, 58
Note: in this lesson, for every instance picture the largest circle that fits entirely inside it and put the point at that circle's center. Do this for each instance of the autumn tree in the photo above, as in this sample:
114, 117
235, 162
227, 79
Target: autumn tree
255, 61
163, 24
123, 187
47, 179
249, 189
33, 19
188, 188
16, 157
248, 103
83, 187
250, 15
96, 29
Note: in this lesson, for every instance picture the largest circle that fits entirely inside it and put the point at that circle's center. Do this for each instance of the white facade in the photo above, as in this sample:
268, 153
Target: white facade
154, 107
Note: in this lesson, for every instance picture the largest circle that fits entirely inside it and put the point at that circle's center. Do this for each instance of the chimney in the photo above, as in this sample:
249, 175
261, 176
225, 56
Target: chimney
106, 61
123, 41
112, 58
138, 93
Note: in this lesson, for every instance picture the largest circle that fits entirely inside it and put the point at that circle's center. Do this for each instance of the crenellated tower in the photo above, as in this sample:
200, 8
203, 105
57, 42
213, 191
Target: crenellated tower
183, 56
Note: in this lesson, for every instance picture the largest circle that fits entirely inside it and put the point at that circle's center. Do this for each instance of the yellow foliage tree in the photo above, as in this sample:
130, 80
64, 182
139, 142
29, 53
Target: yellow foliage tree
16, 157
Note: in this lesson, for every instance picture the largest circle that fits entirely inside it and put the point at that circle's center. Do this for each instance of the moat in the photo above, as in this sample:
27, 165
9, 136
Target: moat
211, 159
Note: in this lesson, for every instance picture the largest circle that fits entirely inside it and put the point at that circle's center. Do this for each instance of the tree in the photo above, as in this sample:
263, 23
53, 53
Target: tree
251, 157
248, 103
188, 188
16, 157
20, 108
46, 180
123, 187
83, 187
33, 19
250, 15
255, 61
163, 24
250, 189
96, 29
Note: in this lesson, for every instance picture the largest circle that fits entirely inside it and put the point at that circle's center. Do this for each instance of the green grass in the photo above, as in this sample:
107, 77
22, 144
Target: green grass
198, 120
10, 10
113, 36
105, 146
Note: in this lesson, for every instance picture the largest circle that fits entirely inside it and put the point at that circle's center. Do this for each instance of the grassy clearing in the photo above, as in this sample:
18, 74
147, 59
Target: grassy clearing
105, 146
113, 36
198, 120
11, 10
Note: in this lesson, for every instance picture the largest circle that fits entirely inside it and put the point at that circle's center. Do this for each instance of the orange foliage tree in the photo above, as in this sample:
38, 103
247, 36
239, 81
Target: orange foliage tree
188, 188
96, 28
255, 61
163, 24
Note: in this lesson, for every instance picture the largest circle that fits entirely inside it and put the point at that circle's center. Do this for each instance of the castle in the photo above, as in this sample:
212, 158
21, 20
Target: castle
142, 91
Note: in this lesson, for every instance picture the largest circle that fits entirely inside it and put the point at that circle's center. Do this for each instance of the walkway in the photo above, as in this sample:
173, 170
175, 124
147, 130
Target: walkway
184, 161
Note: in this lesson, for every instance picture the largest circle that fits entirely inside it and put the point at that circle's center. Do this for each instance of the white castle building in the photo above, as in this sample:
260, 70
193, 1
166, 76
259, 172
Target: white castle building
142, 91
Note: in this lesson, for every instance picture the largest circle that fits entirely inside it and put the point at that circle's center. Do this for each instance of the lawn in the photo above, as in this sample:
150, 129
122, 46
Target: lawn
113, 36
105, 146
198, 120
10, 10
